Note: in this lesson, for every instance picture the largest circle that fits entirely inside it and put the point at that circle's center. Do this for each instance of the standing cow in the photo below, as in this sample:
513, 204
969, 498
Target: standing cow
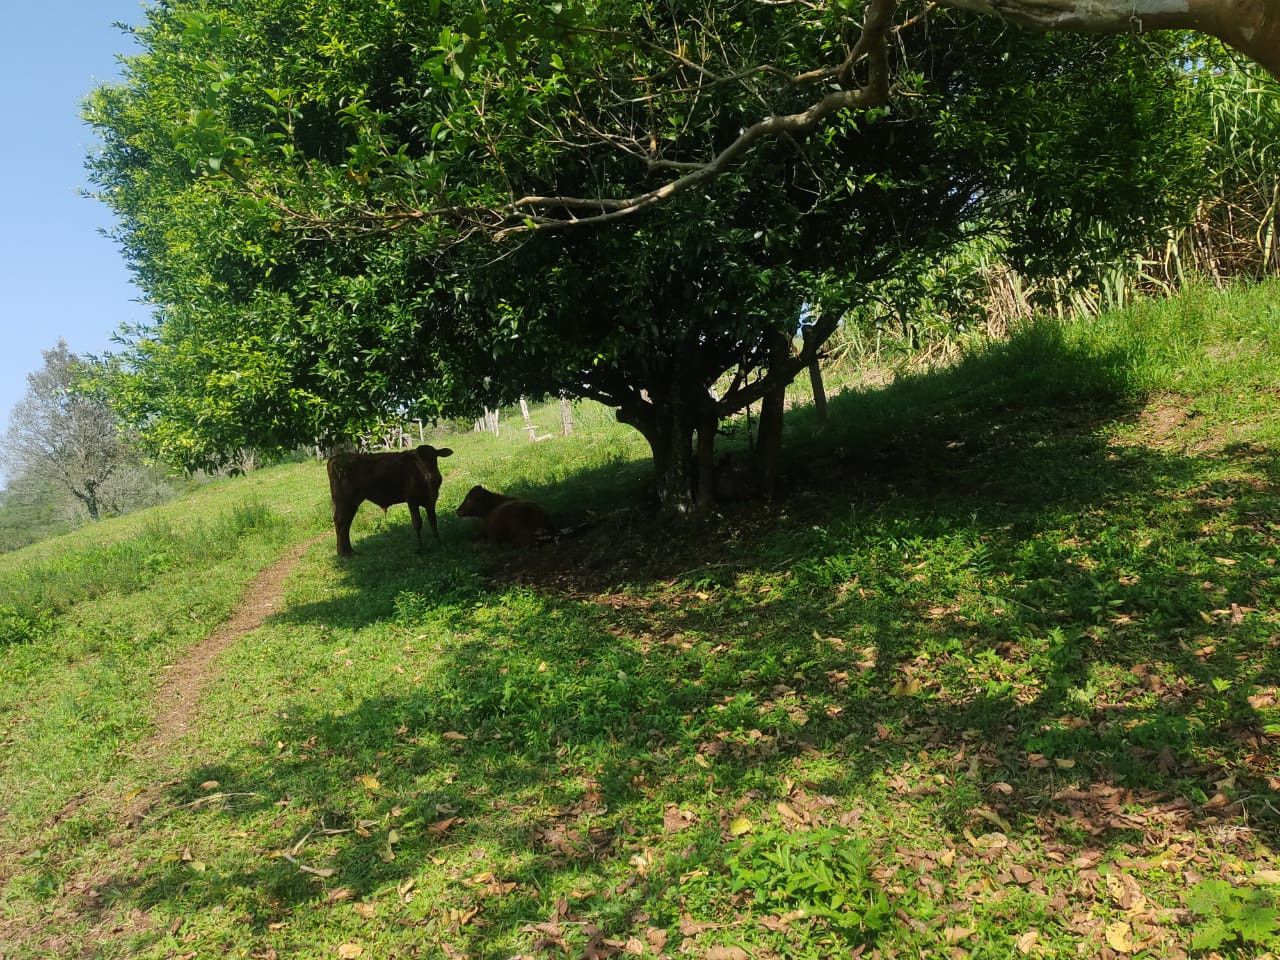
410, 477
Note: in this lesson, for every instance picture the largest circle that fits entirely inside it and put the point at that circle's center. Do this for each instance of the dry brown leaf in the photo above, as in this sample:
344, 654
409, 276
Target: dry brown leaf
1027, 942
461, 918
691, 928
350, 951
338, 895
366, 910
454, 736
441, 827
789, 812
727, 953
1120, 937
209, 785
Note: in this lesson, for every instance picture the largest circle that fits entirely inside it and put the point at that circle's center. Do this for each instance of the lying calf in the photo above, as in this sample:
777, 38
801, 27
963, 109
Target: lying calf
520, 523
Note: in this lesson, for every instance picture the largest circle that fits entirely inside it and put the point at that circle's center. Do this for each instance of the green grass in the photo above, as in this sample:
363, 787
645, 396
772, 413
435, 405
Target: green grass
997, 677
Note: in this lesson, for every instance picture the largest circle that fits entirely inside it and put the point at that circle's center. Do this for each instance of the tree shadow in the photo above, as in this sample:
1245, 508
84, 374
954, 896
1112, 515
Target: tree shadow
579, 688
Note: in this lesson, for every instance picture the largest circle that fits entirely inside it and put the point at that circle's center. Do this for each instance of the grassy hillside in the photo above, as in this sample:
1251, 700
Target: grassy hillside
997, 678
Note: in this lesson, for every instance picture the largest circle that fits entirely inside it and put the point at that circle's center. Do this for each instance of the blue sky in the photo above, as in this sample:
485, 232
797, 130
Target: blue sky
58, 276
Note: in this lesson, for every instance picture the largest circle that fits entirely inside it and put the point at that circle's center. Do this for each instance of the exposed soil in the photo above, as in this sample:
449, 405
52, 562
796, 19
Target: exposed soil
188, 678
176, 704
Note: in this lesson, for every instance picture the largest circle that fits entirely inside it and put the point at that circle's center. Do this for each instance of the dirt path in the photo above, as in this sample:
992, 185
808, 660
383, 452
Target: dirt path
179, 695
176, 705
187, 680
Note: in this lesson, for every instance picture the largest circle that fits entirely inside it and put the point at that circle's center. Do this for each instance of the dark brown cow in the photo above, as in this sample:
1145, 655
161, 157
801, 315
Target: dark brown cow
410, 477
506, 519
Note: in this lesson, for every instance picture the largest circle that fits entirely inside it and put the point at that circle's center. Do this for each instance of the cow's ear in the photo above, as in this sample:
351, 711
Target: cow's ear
444, 452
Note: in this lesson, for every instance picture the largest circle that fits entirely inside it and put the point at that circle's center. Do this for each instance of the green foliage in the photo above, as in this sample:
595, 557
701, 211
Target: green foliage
274, 166
824, 873
1227, 914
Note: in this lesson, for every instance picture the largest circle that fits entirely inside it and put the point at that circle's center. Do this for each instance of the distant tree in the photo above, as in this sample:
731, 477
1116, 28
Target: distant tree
63, 432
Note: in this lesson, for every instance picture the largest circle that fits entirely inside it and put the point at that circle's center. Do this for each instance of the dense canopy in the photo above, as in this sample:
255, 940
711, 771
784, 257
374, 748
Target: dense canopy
309, 191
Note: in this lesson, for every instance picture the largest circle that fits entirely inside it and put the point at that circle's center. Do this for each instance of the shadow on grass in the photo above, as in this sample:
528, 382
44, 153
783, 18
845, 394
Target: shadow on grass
973, 590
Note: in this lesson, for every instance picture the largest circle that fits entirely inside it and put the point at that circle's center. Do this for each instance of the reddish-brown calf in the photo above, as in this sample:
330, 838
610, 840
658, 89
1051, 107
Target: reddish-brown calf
506, 519
410, 477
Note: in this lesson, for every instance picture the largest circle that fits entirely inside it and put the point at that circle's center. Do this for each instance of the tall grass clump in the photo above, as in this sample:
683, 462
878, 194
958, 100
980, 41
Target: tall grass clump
34, 594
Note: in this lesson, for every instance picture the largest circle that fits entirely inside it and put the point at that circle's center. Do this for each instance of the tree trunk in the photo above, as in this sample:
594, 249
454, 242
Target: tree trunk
89, 497
769, 439
670, 435
819, 391
772, 408
566, 416
706, 459
1251, 26
528, 420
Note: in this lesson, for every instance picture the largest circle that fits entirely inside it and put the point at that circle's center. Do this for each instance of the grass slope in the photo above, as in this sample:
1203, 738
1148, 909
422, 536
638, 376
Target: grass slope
999, 678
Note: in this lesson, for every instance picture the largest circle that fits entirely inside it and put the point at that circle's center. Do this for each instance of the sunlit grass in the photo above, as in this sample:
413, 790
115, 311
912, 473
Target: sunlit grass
998, 677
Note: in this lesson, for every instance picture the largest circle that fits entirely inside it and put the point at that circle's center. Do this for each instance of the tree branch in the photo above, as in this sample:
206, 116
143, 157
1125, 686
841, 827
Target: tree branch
1250, 26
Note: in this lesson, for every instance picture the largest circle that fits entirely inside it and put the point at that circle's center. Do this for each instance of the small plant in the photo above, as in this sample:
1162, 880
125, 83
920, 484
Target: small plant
21, 627
1227, 914
825, 873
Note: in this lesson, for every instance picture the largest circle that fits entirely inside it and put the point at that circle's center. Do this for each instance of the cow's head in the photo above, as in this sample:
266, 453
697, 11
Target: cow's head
425, 458
475, 503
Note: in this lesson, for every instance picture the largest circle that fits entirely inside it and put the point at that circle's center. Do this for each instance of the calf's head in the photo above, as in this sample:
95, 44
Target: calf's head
424, 458
478, 502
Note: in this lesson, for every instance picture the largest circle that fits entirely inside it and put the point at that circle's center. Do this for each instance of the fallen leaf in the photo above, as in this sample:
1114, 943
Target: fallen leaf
369, 783
739, 825
1027, 942
1063, 763
657, 938
350, 951
789, 812
727, 953
366, 910
462, 917
209, 785
1266, 876
906, 688
441, 827
454, 735
1120, 937
340, 894
691, 928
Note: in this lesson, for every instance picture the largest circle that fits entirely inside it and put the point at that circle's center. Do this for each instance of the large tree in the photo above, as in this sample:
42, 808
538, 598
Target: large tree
270, 162
62, 433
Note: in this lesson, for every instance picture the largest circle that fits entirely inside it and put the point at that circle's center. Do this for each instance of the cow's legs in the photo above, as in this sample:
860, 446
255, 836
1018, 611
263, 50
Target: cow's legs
342, 517
431, 518
417, 523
